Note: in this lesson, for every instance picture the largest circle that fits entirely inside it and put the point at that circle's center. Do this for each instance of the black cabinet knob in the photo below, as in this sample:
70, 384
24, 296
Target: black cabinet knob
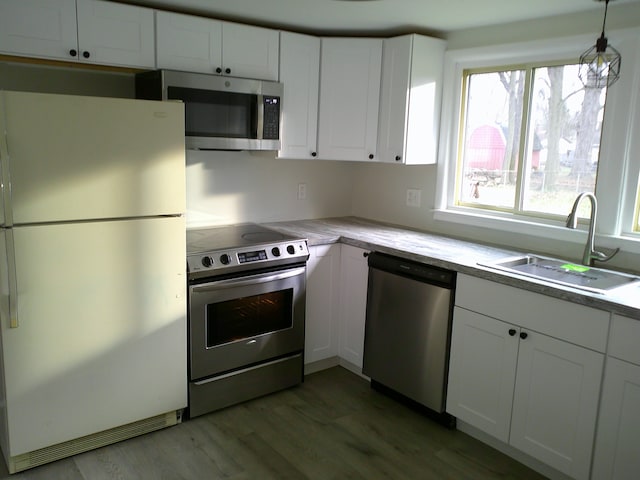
314, 154
512, 331
218, 70
371, 156
398, 158
227, 71
523, 335
365, 254
73, 52
86, 54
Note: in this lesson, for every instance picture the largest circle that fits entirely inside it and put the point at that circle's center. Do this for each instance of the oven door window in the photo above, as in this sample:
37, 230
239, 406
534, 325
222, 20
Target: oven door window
248, 317
216, 113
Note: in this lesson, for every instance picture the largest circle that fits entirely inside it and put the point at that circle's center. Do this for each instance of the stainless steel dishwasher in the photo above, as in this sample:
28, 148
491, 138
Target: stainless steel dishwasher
408, 330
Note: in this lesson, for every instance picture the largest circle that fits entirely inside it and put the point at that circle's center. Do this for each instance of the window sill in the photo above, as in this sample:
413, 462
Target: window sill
515, 225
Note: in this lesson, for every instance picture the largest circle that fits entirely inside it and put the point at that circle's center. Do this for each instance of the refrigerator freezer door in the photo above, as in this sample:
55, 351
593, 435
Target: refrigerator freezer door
72, 157
101, 340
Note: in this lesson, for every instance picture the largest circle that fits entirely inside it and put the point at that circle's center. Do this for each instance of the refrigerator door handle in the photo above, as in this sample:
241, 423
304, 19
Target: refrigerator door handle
13, 281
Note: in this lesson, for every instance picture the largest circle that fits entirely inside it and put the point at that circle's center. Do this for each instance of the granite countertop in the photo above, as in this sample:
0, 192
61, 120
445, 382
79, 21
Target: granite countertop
454, 254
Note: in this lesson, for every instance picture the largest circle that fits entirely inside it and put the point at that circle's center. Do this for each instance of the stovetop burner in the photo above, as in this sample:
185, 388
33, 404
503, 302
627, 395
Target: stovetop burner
226, 249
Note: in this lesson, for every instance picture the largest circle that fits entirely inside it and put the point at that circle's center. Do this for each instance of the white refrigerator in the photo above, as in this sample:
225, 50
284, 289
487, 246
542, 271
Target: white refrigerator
92, 272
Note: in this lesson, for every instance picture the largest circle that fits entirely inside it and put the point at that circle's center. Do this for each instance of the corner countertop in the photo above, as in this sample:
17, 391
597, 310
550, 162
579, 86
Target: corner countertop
451, 253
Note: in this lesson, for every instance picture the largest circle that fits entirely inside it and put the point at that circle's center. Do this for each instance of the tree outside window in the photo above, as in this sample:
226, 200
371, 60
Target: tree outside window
530, 139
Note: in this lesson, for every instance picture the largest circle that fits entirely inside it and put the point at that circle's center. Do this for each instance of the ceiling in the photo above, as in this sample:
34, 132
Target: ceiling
379, 17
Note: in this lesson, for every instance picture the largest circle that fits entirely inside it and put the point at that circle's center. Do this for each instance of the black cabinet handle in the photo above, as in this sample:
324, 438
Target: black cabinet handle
365, 254
512, 331
86, 54
398, 158
73, 52
371, 156
218, 70
227, 71
314, 154
523, 335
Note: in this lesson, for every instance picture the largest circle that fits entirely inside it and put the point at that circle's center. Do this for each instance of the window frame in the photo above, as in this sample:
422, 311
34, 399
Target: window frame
619, 179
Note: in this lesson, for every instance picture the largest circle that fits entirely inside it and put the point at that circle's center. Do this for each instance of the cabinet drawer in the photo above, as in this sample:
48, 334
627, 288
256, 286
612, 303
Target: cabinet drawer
557, 318
624, 339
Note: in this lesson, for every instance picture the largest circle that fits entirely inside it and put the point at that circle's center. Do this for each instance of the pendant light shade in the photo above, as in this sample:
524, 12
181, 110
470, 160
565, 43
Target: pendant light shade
600, 65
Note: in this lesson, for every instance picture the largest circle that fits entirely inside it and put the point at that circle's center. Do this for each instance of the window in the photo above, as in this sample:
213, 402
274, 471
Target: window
529, 140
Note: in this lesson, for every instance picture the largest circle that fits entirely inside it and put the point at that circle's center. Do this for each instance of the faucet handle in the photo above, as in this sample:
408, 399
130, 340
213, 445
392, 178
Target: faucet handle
603, 257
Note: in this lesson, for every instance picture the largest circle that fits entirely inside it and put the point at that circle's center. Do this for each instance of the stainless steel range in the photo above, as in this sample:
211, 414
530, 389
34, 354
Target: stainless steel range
246, 314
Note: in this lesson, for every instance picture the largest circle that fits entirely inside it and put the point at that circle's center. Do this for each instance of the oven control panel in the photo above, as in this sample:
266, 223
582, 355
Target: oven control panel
221, 261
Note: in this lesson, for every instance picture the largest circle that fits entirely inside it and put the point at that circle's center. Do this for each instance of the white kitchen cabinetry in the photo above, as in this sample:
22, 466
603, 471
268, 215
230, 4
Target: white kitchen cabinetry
87, 31
322, 306
197, 44
300, 73
349, 98
410, 97
616, 452
354, 273
526, 369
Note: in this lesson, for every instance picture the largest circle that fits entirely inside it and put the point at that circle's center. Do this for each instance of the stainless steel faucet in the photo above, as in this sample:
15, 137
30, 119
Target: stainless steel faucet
590, 254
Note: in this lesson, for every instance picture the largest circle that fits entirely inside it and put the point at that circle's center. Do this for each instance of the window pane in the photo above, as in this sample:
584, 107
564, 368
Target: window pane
492, 124
564, 140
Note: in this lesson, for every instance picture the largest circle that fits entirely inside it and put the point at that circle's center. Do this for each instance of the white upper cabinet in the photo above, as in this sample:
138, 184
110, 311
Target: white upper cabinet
410, 98
300, 73
250, 52
349, 98
188, 43
196, 44
96, 32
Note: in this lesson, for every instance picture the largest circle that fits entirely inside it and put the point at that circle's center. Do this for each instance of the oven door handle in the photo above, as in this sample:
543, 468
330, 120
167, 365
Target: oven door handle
248, 280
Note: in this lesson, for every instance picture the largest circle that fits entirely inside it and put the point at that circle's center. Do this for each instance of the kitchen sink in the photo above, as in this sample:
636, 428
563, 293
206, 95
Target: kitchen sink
562, 272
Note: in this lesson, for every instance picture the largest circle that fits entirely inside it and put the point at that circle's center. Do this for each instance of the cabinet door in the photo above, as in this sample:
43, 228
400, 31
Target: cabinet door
482, 371
250, 52
115, 34
322, 307
354, 273
188, 43
349, 98
555, 403
38, 28
410, 99
300, 73
616, 454
394, 95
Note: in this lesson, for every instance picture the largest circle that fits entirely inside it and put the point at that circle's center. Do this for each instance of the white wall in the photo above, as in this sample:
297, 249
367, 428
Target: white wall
236, 187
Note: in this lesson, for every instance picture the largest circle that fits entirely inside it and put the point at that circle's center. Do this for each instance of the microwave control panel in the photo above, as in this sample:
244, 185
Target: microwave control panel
271, 128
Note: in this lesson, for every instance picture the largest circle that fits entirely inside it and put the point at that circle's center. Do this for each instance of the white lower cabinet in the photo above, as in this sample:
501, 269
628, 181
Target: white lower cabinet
322, 305
617, 455
354, 272
482, 372
535, 389
337, 277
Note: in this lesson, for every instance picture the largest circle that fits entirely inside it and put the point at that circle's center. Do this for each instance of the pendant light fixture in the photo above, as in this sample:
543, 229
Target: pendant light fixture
600, 65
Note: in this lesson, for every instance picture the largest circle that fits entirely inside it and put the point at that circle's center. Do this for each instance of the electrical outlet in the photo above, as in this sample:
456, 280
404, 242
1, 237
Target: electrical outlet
302, 191
413, 197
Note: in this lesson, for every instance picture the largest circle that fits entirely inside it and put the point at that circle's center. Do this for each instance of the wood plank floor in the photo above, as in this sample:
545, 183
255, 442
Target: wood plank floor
333, 426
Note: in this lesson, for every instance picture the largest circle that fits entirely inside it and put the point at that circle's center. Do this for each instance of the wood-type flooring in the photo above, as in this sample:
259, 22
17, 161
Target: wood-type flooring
333, 426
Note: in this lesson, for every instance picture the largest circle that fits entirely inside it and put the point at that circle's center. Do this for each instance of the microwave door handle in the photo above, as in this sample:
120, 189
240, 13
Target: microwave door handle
248, 280
260, 126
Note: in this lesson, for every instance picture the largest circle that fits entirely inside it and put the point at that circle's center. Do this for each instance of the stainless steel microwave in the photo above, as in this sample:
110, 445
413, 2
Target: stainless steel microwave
221, 113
